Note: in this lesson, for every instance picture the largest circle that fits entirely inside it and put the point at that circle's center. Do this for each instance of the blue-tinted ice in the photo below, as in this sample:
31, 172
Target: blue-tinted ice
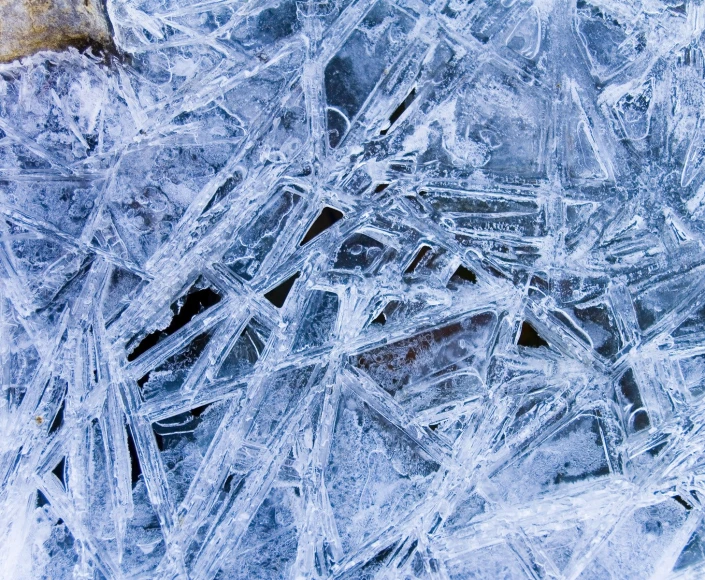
354, 289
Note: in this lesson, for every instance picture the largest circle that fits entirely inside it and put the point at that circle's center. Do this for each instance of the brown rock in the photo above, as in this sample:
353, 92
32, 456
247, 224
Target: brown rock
28, 26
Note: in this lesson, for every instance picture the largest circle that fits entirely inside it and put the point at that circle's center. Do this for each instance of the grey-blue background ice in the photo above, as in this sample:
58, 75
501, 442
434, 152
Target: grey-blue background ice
356, 289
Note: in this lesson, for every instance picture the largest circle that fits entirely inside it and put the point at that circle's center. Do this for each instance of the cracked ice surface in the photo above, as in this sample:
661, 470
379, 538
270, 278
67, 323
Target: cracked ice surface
357, 289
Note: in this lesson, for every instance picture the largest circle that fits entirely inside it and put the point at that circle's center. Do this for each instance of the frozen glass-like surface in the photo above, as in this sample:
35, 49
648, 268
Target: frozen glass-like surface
356, 289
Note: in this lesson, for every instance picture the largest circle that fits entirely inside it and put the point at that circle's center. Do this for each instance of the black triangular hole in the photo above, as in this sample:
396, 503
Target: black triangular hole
136, 468
184, 309
58, 420
529, 337
381, 319
41, 499
327, 217
399, 111
381, 187
60, 472
417, 260
198, 411
142, 381
463, 274
233, 486
228, 483
278, 295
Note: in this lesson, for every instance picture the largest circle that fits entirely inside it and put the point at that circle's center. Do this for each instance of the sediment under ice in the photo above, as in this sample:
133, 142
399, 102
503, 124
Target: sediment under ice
356, 289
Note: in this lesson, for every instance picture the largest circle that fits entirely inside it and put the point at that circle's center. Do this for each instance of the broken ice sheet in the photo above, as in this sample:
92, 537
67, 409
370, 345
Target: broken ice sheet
356, 289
